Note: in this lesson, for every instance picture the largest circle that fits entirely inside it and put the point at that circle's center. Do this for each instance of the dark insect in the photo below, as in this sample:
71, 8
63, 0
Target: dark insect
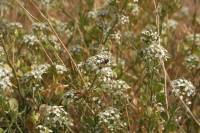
105, 62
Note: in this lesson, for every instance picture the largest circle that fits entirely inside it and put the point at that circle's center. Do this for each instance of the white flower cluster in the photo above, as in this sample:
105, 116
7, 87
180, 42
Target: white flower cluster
60, 69
92, 14
192, 61
101, 65
117, 88
5, 81
98, 102
159, 107
117, 36
148, 36
38, 71
124, 19
184, 89
40, 26
106, 74
155, 51
43, 129
15, 25
102, 59
111, 119
68, 32
30, 40
70, 97
134, 7
56, 117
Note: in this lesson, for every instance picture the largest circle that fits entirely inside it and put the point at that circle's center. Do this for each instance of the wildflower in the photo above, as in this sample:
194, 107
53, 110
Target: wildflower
15, 25
134, 6
96, 62
38, 71
111, 119
116, 88
92, 14
106, 73
149, 35
76, 49
56, 117
117, 36
98, 102
70, 97
184, 89
43, 129
192, 61
159, 107
30, 40
5, 78
155, 51
60, 69
124, 19
40, 27
68, 32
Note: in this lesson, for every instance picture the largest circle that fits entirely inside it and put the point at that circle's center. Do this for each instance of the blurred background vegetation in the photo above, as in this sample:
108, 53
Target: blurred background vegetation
49, 47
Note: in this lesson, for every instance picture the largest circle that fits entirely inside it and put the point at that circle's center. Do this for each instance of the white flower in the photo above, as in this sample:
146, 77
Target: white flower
149, 35
124, 19
60, 68
135, 10
70, 97
43, 129
5, 76
155, 51
134, 6
15, 25
56, 117
38, 71
103, 58
40, 27
117, 36
92, 14
192, 61
183, 89
106, 73
110, 117
30, 40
